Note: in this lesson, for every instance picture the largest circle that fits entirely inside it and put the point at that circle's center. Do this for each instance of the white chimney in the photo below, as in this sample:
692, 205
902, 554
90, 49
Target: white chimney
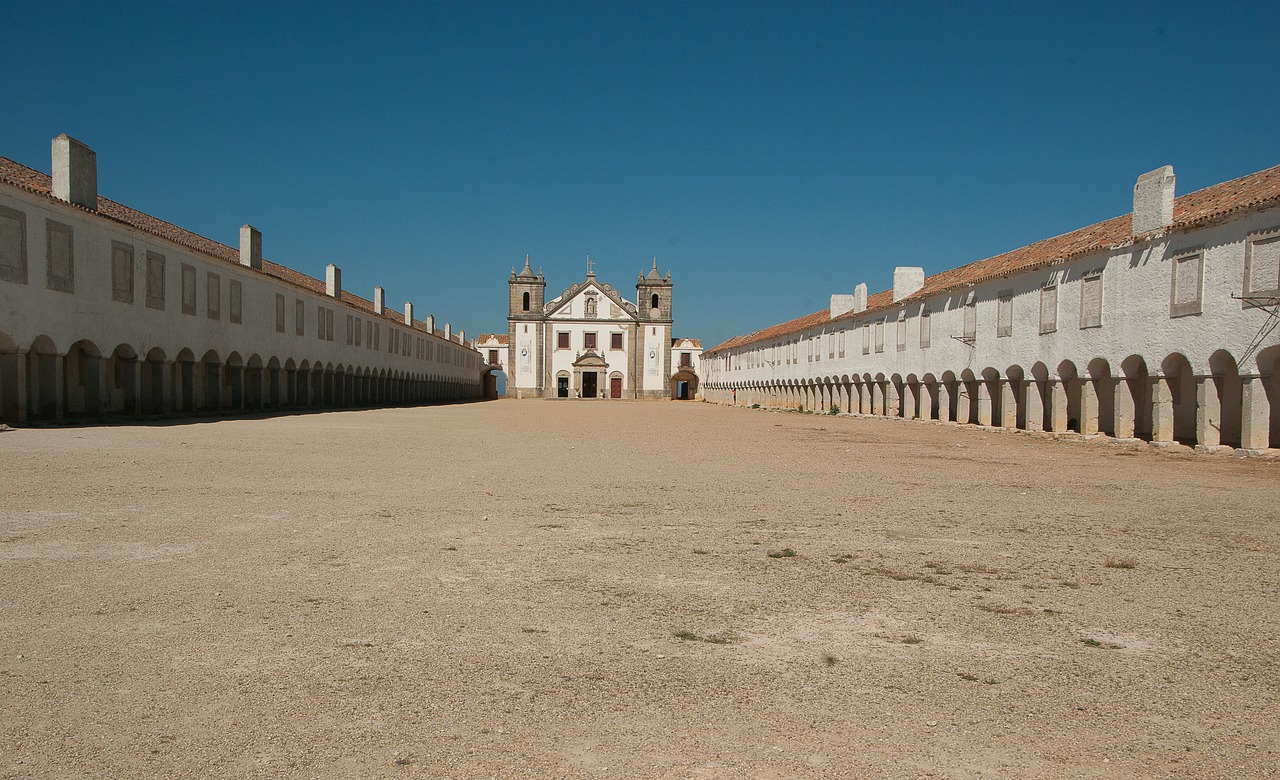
860, 297
1153, 201
75, 172
379, 300
906, 281
408, 314
250, 246
841, 304
333, 281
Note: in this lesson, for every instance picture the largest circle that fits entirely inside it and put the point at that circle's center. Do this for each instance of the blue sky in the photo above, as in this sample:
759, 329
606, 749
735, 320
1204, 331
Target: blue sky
768, 154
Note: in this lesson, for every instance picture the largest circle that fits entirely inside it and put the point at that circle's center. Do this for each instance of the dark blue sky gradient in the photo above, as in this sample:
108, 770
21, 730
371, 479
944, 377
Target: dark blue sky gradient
768, 154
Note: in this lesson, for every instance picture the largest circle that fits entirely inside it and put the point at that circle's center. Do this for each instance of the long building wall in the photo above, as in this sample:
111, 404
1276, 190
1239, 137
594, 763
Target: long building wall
1167, 335
105, 310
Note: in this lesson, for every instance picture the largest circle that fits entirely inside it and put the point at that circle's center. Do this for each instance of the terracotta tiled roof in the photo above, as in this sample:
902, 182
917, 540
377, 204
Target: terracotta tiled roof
1196, 209
694, 343
22, 177
501, 339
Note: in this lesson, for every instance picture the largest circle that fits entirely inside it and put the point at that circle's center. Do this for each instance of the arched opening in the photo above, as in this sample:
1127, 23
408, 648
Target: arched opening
1097, 399
122, 395
153, 390
1269, 370
525, 304
1226, 392
1133, 400
1066, 398
12, 380
968, 406
83, 380
490, 380
1013, 399
253, 383
233, 383
653, 301
562, 384
949, 403
186, 381
273, 390
211, 384
44, 377
1038, 398
990, 411
929, 397
1180, 387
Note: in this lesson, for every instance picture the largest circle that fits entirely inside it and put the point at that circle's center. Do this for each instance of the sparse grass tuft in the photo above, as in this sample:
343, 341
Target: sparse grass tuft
785, 552
911, 639
1091, 642
688, 636
699, 551
755, 406
835, 409
968, 677
1121, 563
842, 558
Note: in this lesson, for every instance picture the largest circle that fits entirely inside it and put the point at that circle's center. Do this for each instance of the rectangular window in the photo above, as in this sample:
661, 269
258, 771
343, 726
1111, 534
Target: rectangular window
926, 328
1188, 283
13, 245
368, 334
615, 341
493, 357
562, 339
842, 332
155, 281
60, 255
359, 327
279, 312
831, 346
1262, 264
879, 337
902, 331
320, 323
1091, 300
1049, 308
299, 317
866, 339
213, 295
351, 324
588, 341
686, 360
188, 289
971, 319
377, 336
1004, 314
235, 301
121, 272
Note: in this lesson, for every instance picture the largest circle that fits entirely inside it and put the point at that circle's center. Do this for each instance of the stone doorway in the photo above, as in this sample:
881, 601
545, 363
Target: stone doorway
589, 389
615, 387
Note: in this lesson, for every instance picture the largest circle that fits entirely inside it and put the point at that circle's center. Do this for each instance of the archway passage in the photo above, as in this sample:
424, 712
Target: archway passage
684, 385
494, 382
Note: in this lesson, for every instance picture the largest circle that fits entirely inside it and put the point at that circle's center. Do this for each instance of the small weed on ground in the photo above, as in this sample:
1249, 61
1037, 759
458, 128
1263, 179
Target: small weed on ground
689, 636
842, 559
699, 551
1121, 563
785, 552
1091, 642
911, 639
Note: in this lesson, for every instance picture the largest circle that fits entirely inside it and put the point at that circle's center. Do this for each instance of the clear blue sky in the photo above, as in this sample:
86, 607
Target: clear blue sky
768, 154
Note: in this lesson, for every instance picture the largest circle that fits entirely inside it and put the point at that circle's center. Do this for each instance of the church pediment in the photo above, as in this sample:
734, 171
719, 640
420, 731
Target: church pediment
590, 359
591, 300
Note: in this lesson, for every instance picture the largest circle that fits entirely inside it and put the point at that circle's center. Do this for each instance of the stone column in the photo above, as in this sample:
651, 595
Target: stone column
944, 402
1125, 409
1208, 412
1161, 409
984, 402
893, 401
1008, 404
1034, 404
1089, 406
1255, 413
914, 400
1057, 391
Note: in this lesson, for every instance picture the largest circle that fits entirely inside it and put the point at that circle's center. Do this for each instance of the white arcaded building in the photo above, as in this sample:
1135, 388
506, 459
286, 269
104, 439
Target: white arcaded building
106, 310
1159, 325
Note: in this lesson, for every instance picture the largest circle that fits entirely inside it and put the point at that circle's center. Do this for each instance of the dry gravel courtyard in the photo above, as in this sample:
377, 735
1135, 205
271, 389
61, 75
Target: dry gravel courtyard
586, 589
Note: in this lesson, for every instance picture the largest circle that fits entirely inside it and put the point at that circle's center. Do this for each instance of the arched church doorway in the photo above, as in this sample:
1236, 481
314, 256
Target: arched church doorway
684, 385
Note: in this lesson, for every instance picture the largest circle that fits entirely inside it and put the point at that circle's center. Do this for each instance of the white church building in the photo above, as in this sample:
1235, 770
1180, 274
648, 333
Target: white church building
590, 342
1161, 325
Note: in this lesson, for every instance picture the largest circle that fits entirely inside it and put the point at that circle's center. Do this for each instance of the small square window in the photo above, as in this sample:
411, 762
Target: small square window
562, 339
13, 245
1262, 264
588, 341
615, 341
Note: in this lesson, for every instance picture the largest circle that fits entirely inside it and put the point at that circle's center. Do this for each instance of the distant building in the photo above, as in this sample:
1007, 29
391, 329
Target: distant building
589, 342
1162, 325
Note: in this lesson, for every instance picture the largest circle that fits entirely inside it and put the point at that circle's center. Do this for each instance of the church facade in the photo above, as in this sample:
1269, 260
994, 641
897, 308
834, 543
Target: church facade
590, 342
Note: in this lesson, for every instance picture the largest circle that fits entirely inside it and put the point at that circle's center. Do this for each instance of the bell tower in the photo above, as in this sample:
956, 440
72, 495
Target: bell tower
528, 293
653, 333
526, 332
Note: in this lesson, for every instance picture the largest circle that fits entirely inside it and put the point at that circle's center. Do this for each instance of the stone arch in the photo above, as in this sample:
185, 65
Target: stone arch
12, 381
1039, 398
929, 396
210, 381
122, 380
1097, 399
967, 406
44, 379
949, 404
254, 377
1221, 389
1066, 399
1013, 398
1178, 400
1133, 399
1268, 361
84, 382
275, 385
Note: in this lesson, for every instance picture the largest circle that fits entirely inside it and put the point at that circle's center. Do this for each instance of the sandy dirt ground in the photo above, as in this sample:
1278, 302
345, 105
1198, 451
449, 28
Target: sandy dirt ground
595, 589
